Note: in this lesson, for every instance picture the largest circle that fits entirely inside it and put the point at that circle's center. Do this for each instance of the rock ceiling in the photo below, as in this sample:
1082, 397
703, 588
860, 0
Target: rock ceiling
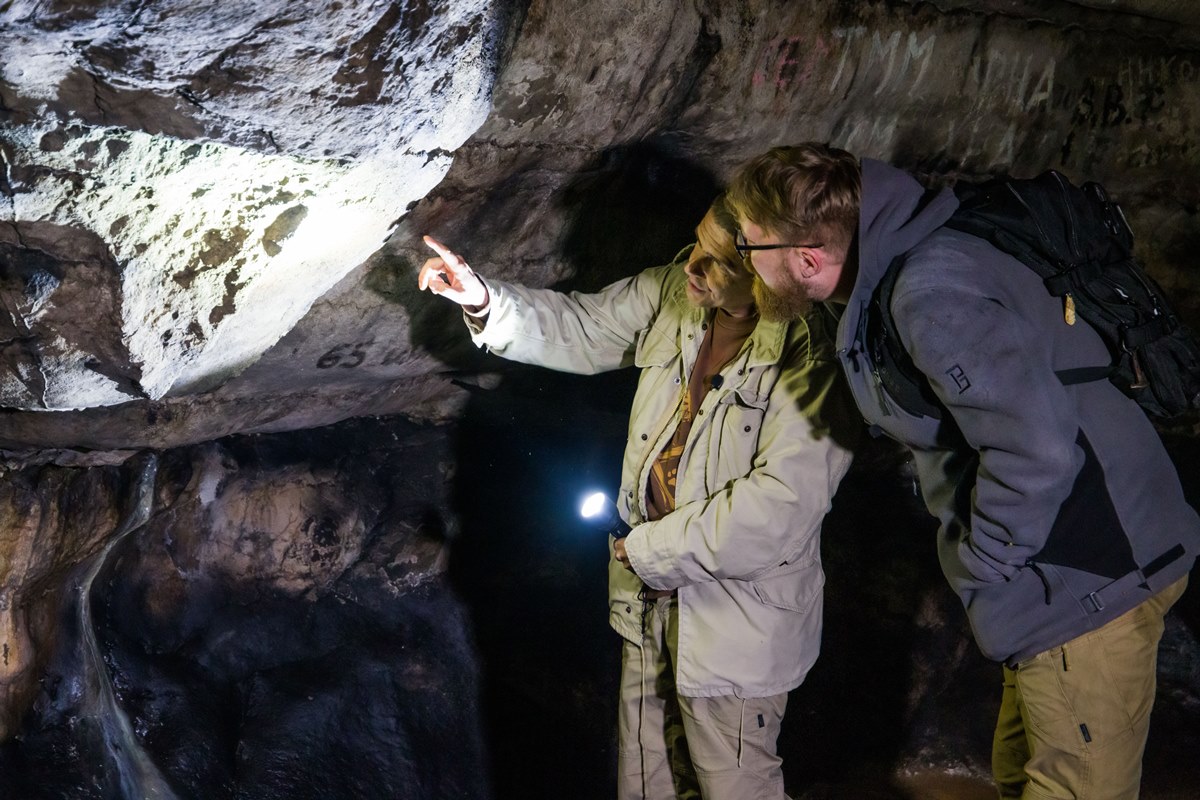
210, 212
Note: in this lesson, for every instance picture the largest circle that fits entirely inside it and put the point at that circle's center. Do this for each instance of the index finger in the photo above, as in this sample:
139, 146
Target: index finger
448, 255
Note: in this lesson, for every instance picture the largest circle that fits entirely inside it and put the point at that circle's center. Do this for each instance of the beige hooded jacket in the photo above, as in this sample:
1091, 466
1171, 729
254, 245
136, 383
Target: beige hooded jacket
763, 459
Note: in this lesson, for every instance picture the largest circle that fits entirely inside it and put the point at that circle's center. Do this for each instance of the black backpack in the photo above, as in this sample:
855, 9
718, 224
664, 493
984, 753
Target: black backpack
1079, 242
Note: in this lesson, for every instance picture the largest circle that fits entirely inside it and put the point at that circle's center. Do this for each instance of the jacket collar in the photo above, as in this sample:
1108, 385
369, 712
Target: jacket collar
766, 343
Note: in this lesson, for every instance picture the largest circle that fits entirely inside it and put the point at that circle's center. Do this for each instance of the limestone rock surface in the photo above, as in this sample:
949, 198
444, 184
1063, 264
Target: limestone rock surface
281, 613
235, 169
230, 162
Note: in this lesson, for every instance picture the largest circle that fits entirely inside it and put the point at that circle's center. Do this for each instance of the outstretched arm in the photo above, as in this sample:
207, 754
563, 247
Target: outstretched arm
573, 332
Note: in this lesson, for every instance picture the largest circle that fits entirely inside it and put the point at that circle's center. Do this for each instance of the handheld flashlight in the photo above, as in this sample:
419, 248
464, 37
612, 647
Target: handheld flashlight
602, 512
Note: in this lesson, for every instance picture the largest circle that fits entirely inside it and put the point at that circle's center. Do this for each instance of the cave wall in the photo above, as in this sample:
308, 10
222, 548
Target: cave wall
957, 93
277, 625
233, 159
210, 220
250, 289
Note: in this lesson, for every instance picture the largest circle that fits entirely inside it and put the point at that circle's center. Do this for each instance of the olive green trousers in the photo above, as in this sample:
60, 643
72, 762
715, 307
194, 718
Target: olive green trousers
1074, 719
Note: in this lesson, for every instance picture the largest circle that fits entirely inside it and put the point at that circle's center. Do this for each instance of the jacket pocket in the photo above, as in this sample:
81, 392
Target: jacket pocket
742, 413
656, 348
745, 399
795, 587
732, 441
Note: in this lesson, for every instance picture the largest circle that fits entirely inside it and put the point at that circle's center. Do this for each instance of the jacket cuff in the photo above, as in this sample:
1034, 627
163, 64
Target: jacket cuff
637, 547
477, 317
476, 321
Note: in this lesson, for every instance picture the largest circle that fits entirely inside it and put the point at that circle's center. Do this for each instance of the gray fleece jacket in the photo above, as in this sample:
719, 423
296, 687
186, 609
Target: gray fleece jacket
1059, 507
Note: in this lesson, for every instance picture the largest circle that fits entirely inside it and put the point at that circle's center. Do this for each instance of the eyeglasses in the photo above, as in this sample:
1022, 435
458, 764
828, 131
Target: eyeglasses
744, 250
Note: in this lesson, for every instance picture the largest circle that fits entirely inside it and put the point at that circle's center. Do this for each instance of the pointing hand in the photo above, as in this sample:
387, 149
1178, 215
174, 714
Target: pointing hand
449, 276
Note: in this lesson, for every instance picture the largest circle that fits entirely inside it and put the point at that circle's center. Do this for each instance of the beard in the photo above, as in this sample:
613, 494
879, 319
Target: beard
788, 303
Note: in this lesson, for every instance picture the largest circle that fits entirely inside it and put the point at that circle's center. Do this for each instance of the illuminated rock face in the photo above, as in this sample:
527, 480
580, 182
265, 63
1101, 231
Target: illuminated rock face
231, 162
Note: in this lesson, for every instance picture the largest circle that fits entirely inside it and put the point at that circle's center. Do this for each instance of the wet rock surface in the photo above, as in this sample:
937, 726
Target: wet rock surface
280, 627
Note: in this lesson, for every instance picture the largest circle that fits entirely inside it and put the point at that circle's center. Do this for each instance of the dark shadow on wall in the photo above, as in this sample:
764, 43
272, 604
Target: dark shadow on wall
534, 578
633, 208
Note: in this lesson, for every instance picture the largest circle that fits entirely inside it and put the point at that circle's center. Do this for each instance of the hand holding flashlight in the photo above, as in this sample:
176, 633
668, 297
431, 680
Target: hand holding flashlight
620, 554
602, 512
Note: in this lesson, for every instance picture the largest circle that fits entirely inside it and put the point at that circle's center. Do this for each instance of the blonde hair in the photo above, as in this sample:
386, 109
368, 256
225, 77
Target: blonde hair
809, 191
716, 234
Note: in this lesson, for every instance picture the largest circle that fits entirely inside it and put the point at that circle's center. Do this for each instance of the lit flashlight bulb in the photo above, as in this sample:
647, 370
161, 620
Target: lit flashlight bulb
593, 505
597, 508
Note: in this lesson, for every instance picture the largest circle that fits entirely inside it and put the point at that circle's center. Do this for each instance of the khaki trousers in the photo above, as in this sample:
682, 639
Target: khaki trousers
669, 746
1074, 719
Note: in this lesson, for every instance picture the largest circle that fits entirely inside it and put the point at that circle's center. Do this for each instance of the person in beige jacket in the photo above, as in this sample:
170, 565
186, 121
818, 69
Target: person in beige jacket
739, 434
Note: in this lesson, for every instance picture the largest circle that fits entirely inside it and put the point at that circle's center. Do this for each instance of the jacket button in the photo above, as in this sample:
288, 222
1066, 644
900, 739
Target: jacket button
746, 429
678, 381
690, 336
644, 437
741, 372
628, 610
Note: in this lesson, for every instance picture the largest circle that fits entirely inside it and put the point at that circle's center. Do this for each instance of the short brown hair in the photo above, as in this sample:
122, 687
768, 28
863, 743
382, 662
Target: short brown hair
809, 190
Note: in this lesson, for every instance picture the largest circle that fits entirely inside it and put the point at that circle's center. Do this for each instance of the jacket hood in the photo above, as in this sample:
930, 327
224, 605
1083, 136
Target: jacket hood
897, 213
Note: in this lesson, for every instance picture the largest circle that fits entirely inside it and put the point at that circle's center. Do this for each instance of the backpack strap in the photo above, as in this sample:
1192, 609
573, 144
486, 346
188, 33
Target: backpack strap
1072, 278
1097, 600
894, 369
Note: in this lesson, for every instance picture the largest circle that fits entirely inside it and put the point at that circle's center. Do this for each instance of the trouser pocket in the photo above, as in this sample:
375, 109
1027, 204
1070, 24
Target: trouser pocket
1085, 708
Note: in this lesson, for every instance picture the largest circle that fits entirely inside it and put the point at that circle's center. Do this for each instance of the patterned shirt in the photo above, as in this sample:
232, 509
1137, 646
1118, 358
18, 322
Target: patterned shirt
723, 340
